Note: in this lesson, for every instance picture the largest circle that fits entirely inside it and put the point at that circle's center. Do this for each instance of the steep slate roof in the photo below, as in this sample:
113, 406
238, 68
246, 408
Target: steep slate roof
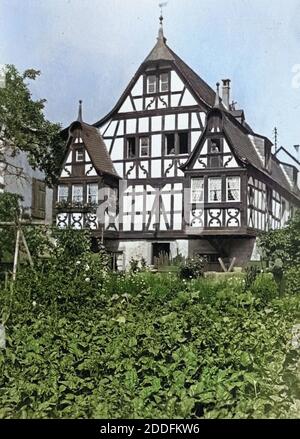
199, 86
162, 52
282, 148
95, 147
245, 151
243, 146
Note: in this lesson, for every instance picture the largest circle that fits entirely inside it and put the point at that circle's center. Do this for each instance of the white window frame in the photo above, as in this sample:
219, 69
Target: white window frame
210, 180
151, 82
143, 138
164, 82
73, 188
88, 193
197, 189
59, 193
239, 189
79, 151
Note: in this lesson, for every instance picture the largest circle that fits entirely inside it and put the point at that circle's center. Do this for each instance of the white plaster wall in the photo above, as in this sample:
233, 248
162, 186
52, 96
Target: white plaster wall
23, 185
139, 249
126, 107
179, 247
176, 83
135, 249
255, 253
138, 87
117, 151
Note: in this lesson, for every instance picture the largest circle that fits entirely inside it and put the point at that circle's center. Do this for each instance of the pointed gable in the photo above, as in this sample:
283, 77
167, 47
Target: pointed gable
196, 89
81, 134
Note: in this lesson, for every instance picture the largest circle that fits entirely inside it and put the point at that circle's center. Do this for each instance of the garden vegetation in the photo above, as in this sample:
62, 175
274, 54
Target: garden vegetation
83, 342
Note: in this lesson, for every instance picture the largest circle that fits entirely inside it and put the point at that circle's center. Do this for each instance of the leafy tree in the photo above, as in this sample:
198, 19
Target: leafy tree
283, 244
23, 126
37, 237
9, 212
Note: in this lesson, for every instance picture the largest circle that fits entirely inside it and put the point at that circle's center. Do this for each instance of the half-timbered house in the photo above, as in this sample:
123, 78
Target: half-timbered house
195, 178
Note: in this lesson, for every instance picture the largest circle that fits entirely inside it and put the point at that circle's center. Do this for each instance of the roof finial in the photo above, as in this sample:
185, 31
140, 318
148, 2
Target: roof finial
217, 100
79, 118
275, 132
161, 19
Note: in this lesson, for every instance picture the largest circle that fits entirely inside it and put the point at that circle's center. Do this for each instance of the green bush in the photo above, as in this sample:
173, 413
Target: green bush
252, 272
185, 353
282, 244
292, 281
83, 342
264, 287
192, 268
68, 278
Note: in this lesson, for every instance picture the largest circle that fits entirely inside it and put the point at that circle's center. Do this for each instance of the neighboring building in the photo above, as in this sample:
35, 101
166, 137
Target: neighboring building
197, 178
18, 177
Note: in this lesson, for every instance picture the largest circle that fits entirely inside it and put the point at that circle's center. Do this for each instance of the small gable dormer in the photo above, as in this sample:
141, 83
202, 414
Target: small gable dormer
86, 155
214, 149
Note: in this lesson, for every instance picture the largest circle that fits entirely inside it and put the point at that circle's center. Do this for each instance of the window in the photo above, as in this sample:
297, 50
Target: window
92, 193
131, 147
183, 140
144, 147
79, 155
215, 151
78, 140
38, 199
177, 143
62, 193
164, 82
197, 190
214, 190
233, 190
215, 146
170, 144
77, 193
151, 84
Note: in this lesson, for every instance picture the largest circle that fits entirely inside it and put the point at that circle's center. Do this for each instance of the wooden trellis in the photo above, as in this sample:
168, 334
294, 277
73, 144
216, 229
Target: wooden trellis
20, 238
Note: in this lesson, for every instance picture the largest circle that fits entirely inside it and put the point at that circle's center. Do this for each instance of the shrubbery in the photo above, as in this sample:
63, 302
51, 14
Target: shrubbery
283, 244
144, 345
292, 280
83, 342
264, 287
70, 275
192, 268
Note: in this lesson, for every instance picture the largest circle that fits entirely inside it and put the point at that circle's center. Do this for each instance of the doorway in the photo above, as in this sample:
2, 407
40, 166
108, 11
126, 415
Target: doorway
160, 252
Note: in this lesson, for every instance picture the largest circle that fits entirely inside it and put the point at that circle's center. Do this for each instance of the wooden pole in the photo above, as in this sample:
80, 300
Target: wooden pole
222, 265
16, 254
232, 264
25, 223
26, 248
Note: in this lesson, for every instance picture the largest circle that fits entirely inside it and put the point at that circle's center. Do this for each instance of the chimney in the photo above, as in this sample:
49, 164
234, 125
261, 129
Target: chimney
226, 92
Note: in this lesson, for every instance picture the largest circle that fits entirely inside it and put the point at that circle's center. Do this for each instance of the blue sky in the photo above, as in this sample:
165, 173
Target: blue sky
90, 49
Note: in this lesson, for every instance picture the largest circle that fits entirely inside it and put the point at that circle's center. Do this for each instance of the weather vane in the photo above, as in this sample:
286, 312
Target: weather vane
161, 6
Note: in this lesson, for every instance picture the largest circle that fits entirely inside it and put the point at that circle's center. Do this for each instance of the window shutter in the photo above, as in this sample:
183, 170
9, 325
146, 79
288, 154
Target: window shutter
38, 199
